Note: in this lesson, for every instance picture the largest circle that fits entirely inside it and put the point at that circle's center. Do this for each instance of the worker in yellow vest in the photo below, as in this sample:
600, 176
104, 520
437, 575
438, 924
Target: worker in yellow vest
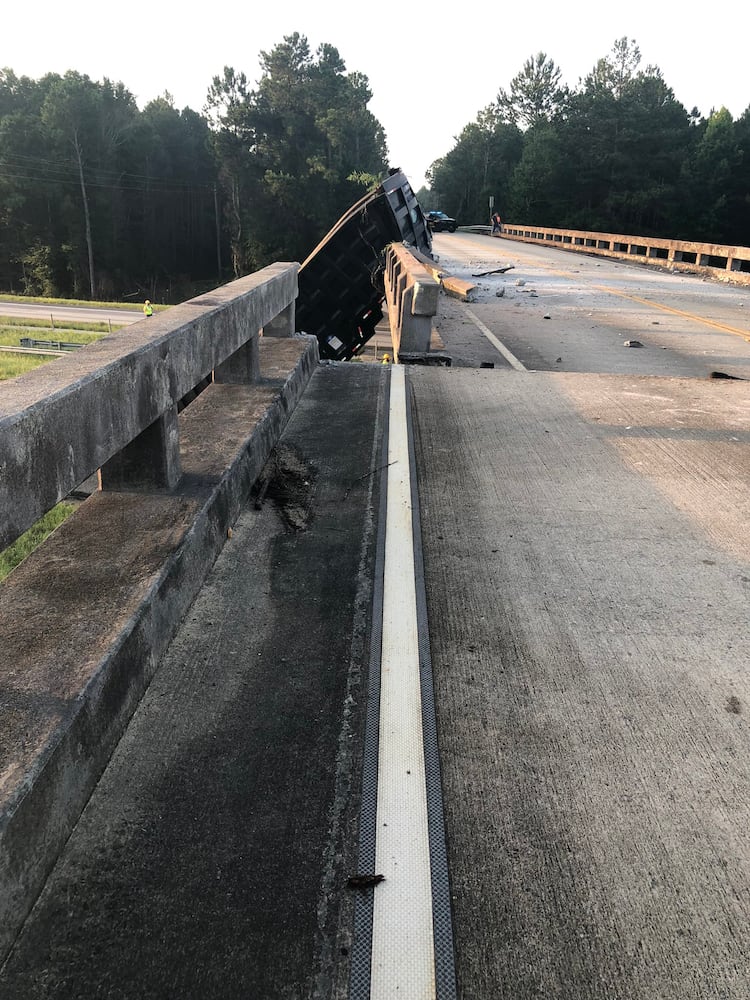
148, 309
385, 360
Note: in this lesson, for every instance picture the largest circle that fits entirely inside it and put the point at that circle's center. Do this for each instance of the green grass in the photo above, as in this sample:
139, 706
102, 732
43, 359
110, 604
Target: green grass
13, 365
21, 322
10, 334
31, 539
13, 329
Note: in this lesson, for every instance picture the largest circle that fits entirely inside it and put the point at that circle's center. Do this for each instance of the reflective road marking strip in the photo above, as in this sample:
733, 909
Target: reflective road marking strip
403, 957
498, 345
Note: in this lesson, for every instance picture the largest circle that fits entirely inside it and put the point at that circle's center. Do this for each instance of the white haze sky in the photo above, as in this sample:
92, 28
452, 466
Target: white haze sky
430, 71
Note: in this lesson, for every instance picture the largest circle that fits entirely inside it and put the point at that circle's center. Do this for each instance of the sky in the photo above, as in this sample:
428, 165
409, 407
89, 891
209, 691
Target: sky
430, 73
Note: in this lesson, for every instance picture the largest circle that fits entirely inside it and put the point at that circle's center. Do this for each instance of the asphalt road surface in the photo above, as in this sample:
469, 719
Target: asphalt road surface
586, 563
588, 567
94, 314
558, 311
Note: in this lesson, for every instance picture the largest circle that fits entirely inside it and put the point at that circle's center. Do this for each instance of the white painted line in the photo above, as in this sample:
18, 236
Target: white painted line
403, 953
509, 357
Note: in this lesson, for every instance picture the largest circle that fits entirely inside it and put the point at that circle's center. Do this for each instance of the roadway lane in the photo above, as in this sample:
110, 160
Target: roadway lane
560, 311
588, 575
50, 313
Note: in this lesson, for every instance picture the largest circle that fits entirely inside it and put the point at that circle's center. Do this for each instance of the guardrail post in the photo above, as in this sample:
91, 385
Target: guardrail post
281, 325
150, 461
241, 367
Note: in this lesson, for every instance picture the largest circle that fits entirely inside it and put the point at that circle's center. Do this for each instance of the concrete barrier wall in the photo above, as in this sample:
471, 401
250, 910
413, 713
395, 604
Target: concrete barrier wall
411, 294
86, 617
727, 263
117, 400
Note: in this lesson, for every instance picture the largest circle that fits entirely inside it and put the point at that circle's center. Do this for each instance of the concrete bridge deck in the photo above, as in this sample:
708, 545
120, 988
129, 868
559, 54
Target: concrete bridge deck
586, 567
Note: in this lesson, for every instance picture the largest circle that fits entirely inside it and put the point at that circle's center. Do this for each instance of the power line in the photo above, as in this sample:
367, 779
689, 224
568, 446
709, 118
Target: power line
62, 172
154, 185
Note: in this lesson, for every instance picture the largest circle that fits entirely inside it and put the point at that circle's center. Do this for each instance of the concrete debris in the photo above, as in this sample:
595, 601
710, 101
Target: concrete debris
633, 343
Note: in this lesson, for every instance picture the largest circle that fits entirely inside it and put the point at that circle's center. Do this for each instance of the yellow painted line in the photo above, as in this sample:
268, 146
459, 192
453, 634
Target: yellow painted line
675, 312
725, 328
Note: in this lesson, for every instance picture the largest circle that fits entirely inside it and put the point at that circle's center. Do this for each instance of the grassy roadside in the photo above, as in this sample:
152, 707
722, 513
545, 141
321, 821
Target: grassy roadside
29, 540
29, 323
13, 328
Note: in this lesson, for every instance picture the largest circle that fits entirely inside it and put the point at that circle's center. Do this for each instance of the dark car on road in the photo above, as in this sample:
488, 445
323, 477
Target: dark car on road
439, 222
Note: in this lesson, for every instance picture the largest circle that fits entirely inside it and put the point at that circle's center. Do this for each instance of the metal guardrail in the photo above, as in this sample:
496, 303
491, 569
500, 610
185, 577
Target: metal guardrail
113, 407
53, 345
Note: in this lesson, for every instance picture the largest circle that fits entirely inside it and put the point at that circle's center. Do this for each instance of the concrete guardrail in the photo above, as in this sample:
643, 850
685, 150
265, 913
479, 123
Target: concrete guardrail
725, 263
411, 295
85, 617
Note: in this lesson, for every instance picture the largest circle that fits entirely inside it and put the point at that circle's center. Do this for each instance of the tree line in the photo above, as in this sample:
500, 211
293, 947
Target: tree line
617, 153
101, 200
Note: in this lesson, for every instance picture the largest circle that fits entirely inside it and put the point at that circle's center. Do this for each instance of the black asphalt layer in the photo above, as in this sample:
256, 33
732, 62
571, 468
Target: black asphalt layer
211, 862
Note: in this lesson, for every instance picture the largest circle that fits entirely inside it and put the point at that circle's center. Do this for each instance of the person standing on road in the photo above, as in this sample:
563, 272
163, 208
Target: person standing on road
148, 309
497, 223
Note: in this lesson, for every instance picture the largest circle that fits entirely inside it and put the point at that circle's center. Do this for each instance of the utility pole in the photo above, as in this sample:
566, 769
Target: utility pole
218, 232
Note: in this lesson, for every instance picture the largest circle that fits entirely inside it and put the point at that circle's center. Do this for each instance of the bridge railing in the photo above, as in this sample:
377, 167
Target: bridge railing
411, 294
86, 616
113, 407
728, 263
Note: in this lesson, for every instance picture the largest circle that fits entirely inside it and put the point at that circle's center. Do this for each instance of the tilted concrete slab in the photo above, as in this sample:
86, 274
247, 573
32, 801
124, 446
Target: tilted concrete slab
457, 288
